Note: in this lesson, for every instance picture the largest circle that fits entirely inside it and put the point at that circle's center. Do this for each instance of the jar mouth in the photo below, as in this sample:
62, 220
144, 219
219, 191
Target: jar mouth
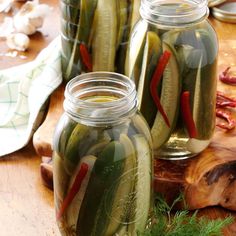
171, 13
100, 97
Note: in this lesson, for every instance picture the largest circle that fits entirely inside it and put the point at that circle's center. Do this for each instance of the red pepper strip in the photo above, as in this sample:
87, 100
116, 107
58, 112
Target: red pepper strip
155, 81
231, 122
85, 57
222, 96
223, 101
225, 104
225, 77
187, 115
74, 189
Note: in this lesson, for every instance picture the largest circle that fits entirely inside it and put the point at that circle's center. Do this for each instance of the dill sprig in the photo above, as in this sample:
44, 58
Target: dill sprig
182, 223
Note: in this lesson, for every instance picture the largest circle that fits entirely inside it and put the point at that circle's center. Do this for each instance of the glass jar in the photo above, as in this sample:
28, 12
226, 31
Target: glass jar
172, 57
102, 159
95, 33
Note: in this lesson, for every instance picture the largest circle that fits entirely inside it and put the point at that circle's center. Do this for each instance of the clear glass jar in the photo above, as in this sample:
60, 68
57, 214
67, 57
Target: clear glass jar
95, 33
172, 57
102, 159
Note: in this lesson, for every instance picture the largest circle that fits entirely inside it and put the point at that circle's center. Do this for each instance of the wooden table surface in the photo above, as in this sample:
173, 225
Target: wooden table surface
26, 205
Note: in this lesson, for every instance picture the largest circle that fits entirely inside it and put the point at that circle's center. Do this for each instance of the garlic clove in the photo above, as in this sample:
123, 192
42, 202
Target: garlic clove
30, 17
18, 41
23, 25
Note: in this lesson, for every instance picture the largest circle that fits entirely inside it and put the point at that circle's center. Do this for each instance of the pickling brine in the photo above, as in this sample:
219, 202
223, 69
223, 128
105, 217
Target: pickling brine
95, 33
172, 59
102, 159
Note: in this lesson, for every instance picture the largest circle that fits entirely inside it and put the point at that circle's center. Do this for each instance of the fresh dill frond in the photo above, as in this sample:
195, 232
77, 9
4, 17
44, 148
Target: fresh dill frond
182, 223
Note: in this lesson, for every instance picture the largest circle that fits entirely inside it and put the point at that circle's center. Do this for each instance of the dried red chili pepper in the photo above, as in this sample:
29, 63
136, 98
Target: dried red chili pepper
224, 101
85, 57
226, 115
155, 81
227, 77
74, 189
187, 114
221, 95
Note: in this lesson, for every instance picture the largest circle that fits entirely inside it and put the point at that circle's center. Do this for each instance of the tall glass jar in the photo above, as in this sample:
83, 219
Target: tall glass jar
95, 33
172, 58
102, 159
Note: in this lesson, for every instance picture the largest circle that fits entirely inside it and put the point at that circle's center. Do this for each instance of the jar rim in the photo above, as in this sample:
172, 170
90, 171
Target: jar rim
169, 13
124, 102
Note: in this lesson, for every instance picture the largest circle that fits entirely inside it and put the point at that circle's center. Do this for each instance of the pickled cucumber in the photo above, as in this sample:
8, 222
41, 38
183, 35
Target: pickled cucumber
151, 55
72, 212
170, 93
75, 146
105, 36
142, 198
95, 211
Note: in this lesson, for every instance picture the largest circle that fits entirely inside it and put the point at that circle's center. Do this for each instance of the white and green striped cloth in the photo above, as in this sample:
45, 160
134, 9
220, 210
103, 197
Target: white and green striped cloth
24, 90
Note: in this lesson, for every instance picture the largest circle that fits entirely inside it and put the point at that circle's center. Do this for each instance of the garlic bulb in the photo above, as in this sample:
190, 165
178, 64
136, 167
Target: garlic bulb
30, 17
18, 41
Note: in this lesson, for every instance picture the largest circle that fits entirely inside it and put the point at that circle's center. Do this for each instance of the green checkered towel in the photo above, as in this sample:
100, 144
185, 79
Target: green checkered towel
24, 90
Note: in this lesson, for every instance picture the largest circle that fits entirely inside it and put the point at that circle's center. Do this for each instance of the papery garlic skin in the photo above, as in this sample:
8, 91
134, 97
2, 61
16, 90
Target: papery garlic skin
5, 5
30, 17
18, 41
6, 27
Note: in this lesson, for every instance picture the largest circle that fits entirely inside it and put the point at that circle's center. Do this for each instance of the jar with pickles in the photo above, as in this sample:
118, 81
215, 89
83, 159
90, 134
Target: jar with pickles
102, 159
95, 33
172, 58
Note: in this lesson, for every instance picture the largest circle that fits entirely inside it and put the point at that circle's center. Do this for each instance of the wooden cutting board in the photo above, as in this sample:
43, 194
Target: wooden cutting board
206, 180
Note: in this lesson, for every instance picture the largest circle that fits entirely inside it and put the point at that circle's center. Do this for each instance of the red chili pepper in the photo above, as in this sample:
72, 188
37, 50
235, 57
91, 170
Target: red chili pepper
227, 78
85, 57
155, 81
225, 104
221, 95
226, 115
224, 101
187, 115
74, 189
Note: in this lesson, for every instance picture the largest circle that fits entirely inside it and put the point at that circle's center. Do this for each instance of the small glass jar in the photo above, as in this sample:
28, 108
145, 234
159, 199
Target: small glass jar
172, 57
102, 159
95, 34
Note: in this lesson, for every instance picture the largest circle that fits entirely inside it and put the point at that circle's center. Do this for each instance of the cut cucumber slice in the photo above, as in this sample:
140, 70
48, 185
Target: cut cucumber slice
93, 218
122, 14
60, 180
141, 126
105, 36
134, 52
73, 148
72, 212
151, 54
87, 11
169, 99
142, 200
120, 210
135, 12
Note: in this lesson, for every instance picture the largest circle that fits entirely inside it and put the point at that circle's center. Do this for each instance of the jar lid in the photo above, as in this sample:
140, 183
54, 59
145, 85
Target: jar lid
225, 12
212, 3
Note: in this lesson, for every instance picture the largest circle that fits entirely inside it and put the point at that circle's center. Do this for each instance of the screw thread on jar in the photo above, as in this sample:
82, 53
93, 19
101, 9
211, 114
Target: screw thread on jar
169, 13
99, 98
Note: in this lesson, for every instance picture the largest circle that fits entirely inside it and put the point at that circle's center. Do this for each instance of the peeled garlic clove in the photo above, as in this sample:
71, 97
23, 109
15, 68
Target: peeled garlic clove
22, 25
18, 41
37, 22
